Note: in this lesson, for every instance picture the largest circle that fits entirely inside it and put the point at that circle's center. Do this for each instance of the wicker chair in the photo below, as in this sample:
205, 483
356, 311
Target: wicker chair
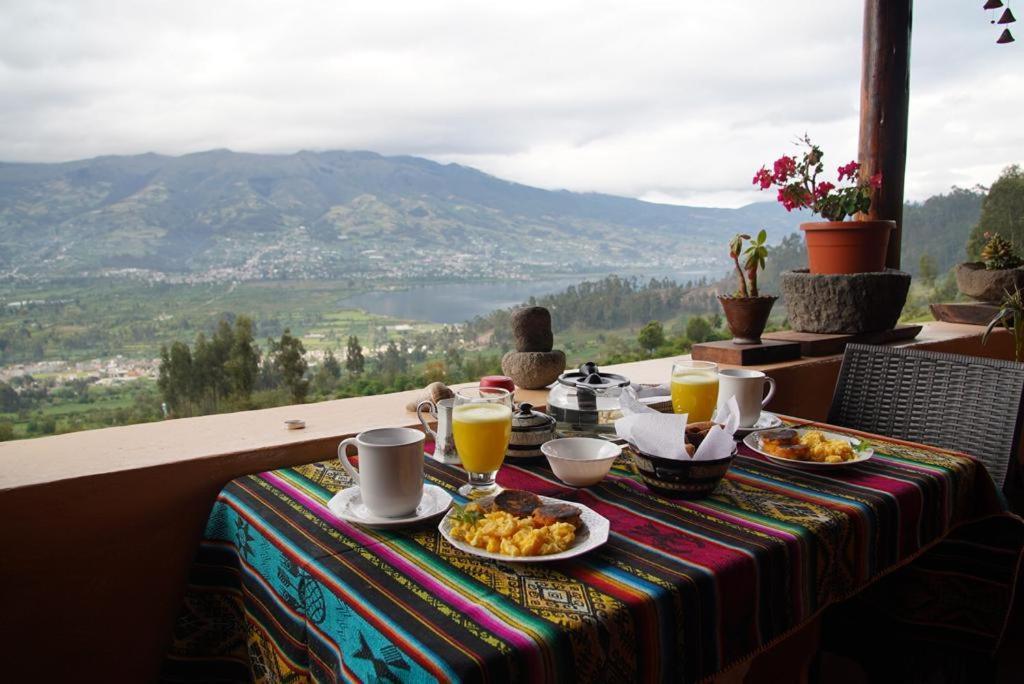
952, 401
956, 402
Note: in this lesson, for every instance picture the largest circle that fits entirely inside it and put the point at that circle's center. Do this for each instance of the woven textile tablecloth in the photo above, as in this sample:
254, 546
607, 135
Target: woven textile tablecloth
281, 590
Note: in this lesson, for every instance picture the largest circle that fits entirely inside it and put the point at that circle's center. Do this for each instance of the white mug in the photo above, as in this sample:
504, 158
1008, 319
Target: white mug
390, 475
444, 440
748, 388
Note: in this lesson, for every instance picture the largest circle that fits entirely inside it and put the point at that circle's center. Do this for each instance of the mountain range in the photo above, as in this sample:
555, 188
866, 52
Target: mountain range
222, 215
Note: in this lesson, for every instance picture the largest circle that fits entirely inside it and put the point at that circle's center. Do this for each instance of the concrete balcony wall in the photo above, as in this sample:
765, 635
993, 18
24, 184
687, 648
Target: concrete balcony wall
99, 528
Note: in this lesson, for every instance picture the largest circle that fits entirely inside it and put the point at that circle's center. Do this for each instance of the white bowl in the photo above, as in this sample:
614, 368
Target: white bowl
580, 461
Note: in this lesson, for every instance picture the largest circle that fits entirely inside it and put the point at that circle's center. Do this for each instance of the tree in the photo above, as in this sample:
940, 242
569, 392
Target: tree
926, 268
698, 329
243, 362
434, 371
393, 361
327, 376
175, 377
201, 388
453, 359
331, 365
354, 361
651, 336
941, 226
1002, 211
288, 356
9, 399
788, 255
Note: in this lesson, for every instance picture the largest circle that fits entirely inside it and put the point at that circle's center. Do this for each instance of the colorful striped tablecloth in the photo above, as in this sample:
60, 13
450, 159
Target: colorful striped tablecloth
281, 590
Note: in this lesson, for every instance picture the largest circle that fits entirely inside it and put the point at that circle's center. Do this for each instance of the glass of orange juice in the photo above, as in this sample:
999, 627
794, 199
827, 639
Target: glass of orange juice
695, 389
481, 425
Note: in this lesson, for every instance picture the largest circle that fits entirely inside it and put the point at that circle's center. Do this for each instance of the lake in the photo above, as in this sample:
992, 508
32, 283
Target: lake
459, 302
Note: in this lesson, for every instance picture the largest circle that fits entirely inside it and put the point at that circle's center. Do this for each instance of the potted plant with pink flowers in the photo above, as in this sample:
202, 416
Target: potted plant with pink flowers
835, 245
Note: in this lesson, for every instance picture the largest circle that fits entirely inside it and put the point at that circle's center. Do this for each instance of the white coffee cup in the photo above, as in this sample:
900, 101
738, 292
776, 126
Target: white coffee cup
390, 475
748, 388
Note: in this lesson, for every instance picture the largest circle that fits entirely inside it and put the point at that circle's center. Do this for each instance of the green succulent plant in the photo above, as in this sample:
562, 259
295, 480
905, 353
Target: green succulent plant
1011, 317
753, 259
998, 253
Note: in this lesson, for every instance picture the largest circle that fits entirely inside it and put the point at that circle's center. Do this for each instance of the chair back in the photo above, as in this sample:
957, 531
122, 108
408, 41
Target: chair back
952, 401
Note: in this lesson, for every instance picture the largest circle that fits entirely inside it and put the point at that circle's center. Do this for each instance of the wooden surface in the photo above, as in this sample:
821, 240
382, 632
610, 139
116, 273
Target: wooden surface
974, 313
884, 97
724, 351
818, 344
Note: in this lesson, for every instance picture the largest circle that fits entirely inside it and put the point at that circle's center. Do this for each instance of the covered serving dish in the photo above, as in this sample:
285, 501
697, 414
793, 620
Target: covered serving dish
530, 429
586, 400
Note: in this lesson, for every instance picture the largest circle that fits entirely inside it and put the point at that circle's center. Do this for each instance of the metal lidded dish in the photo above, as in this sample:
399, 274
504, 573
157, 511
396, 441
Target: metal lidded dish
530, 429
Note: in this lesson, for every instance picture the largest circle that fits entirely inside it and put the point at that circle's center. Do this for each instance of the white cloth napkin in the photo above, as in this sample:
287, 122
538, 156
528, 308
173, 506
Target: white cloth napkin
719, 442
646, 393
664, 434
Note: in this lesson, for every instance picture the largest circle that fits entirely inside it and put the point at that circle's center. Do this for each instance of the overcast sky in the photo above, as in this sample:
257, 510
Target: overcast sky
676, 101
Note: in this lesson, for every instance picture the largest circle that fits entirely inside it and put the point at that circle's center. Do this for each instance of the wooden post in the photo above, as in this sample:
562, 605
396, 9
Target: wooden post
884, 96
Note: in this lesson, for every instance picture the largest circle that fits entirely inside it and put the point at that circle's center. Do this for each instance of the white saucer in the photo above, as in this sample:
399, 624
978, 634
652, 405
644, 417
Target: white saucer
348, 505
766, 421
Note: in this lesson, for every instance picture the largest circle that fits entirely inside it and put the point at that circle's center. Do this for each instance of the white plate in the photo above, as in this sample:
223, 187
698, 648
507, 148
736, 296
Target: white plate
591, 534
348, 505
766, 421
752, 441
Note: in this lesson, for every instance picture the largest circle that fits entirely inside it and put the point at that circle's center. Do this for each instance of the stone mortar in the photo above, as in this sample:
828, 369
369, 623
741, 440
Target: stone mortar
533, 370
975, 281
855, 303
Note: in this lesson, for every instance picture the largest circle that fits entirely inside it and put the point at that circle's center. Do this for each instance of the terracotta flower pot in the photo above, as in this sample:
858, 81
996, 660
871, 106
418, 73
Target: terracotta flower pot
840, 247
747, 316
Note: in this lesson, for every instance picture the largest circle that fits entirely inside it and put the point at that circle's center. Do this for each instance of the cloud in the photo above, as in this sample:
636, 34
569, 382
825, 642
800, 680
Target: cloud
667, 101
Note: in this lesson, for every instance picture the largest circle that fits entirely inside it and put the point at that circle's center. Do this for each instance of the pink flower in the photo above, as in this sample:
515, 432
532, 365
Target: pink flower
763, 178
849, 170
876, 180
792, 197
823, 189
785, 167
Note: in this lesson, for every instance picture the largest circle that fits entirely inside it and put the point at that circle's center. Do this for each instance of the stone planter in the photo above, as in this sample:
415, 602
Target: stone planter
849, 304
747, 317
977, 282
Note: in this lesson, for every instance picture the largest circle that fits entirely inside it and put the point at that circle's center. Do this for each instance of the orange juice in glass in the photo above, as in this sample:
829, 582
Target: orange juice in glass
481, 425
695, 389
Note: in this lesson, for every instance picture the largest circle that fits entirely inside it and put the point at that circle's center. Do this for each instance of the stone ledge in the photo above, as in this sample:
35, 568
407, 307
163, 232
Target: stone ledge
260, 439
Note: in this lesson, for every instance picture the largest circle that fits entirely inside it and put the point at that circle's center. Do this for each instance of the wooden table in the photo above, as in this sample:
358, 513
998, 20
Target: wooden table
682, 590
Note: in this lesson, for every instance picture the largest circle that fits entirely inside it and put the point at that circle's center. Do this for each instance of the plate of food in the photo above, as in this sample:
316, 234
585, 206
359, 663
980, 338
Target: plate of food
809, 447
521, 527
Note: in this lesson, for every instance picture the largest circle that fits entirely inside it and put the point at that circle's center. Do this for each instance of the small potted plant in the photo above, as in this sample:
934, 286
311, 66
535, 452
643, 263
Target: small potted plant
999, 271
1011, 317
835, 245
747, 311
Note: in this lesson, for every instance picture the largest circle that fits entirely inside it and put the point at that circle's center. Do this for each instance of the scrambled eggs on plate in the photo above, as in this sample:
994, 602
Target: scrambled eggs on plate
504, 533
824, 450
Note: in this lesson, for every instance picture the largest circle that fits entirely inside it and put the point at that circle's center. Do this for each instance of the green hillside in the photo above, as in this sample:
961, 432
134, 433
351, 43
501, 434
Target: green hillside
222, 215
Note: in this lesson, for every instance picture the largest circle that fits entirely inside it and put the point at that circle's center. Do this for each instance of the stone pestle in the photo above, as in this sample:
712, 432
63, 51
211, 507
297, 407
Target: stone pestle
534, 364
